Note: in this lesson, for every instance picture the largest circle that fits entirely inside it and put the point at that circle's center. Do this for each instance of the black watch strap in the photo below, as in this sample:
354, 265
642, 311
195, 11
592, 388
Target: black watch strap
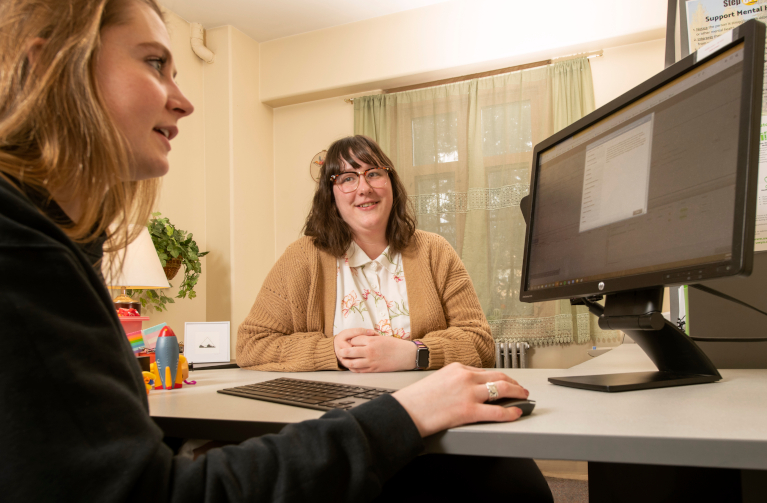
421, 356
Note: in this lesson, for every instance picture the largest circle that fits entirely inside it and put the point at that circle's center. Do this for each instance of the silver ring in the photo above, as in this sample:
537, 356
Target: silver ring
492, 391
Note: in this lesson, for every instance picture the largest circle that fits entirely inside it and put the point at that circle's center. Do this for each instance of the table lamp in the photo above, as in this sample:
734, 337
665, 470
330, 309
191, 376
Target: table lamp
141, 270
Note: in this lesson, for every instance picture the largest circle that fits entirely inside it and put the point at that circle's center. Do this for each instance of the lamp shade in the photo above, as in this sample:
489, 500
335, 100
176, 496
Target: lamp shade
141, 269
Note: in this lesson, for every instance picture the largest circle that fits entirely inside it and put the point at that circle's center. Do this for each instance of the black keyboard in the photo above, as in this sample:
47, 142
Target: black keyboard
316, 395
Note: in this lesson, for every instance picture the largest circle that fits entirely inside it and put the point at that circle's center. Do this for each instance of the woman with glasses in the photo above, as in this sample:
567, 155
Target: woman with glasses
363, 289
366, 291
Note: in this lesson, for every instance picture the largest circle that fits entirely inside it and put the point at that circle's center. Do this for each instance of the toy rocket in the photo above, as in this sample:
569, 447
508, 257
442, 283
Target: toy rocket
166, 355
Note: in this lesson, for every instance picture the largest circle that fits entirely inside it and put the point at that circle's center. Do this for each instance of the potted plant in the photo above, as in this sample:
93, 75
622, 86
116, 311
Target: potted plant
175, 248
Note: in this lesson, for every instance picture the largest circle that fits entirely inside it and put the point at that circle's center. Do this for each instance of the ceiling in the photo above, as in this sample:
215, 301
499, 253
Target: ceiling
265, 20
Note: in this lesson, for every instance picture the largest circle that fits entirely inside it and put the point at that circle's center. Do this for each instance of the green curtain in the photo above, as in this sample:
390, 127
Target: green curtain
370, 116
464, 152
572, 97
572, 91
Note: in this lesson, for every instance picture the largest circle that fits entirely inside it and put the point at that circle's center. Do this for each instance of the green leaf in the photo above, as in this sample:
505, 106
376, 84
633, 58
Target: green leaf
171, 242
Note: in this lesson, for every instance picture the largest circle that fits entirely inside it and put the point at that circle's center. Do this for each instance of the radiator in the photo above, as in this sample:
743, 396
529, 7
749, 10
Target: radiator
511, 355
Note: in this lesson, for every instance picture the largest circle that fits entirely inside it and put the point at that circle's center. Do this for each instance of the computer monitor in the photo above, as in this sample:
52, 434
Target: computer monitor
651, 190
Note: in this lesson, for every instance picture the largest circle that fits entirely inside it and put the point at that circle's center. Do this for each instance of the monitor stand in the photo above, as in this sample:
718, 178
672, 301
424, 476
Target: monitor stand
679, 360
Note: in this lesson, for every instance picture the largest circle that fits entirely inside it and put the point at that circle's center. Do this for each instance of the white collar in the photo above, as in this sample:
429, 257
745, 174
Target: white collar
355, 257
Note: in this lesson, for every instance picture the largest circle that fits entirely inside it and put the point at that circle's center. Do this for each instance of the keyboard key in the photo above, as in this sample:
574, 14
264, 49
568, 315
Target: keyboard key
308, 400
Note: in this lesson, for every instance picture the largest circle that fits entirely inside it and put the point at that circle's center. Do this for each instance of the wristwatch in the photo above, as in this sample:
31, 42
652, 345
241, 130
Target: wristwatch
421, 356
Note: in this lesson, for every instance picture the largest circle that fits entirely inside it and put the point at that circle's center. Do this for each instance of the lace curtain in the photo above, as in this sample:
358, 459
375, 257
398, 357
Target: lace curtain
464, 152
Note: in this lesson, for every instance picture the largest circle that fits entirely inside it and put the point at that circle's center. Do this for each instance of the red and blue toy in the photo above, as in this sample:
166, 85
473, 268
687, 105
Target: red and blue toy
167, 359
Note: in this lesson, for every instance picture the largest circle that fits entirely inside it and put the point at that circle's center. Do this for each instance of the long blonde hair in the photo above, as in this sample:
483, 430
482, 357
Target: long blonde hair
56, 135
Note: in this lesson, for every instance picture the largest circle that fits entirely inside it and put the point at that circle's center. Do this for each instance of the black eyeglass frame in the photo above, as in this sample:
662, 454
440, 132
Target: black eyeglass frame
333, 178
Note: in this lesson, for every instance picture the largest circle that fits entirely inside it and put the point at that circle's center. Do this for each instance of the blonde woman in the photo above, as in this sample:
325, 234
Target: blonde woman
88, 107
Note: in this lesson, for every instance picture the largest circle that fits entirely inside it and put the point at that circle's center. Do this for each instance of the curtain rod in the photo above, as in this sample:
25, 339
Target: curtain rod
527, 66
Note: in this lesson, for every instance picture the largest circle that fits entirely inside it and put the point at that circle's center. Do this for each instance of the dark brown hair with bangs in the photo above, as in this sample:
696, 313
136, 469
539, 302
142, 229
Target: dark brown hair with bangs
330, 232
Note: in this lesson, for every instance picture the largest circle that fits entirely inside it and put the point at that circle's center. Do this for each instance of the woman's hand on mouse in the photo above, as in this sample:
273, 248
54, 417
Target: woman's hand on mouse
370, 352
456, 395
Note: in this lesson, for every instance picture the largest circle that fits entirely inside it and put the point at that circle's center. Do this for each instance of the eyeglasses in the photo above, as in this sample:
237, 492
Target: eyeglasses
348, 181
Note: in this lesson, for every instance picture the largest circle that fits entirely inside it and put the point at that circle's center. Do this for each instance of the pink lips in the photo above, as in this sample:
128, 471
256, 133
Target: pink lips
164, 139
172, 131
373, 204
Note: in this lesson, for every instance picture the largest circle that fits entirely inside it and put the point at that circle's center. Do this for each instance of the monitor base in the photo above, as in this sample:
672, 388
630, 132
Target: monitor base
631, 381
679, 360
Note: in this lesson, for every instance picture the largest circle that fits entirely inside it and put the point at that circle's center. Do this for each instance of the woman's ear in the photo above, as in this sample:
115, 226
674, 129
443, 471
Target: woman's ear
34, 49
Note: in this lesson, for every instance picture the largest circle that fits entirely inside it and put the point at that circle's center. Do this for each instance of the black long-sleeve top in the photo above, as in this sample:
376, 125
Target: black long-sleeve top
73, 408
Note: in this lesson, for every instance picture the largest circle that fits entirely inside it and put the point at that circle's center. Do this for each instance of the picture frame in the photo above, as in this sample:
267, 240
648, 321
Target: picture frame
207, 342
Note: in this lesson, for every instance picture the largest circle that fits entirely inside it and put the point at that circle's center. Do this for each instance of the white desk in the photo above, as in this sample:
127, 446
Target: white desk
723, 424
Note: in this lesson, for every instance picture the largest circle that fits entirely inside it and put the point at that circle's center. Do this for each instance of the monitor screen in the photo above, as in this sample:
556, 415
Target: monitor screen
644, 193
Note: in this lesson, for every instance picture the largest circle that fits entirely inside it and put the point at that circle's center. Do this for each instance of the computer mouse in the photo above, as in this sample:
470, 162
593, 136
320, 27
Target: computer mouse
526, 406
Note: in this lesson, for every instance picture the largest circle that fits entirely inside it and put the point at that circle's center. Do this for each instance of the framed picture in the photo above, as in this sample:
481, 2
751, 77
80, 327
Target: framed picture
207, 342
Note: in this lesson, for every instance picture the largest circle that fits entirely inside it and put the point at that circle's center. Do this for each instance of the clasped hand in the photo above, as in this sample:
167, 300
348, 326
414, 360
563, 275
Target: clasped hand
363, 350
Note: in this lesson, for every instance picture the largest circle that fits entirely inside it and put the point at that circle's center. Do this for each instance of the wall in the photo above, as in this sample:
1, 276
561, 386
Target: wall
220, 186
300, 132
624, 67
239, 178
252, 193
183, 193
446, 40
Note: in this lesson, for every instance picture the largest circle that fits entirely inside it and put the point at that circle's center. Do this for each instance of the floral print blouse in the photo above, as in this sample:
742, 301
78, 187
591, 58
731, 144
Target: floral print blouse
371, 293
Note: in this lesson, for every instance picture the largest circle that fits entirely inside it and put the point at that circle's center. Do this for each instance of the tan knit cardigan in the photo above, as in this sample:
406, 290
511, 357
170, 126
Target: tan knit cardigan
290, 326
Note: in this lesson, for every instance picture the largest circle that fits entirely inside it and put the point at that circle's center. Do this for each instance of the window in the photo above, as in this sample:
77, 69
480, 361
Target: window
506, 128
435, 204
435, 139
506, 233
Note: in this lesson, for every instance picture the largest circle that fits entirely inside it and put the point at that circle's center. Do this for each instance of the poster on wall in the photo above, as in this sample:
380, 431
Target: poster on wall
708, 22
